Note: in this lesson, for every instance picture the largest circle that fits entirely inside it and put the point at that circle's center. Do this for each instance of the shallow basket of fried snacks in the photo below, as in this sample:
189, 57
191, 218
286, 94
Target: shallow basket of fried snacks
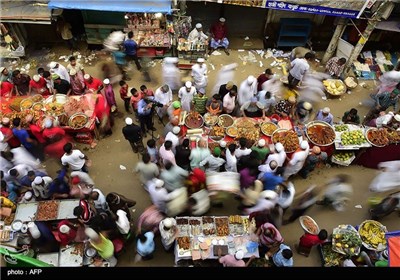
377, 137
288, 138
78, 121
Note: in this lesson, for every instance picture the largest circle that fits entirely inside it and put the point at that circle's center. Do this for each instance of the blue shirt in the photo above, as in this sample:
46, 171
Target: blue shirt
22, 135
270, 181
130, 47
61, 186
142, 108
148, 247
281, 261
25, 181
119, 57
12, 190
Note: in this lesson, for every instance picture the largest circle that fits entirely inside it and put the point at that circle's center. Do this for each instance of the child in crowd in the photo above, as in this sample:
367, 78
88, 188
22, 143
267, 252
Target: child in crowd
152, 151
145, 92
136, 97
125, 95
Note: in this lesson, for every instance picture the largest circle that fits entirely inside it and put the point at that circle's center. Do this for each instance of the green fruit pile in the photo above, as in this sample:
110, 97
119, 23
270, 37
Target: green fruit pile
341, 127
343, 156
355, 137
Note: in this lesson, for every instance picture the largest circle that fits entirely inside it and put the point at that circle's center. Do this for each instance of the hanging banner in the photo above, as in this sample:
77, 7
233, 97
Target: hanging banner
349, 9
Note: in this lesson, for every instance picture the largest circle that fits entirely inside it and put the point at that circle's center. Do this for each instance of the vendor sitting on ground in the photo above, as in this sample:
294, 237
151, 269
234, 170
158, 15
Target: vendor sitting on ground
252, 109
351, 117
335, 66
214, 106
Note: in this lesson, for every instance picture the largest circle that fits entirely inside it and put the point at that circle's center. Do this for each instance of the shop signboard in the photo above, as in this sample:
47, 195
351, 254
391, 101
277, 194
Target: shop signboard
349, 8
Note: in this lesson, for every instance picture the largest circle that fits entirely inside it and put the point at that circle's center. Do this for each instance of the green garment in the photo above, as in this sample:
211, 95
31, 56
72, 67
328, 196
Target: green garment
105, 248
199, 103
262, 153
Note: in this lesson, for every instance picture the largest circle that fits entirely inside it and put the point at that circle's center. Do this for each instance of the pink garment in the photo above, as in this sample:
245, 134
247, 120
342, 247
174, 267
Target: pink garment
231, 261
270, 240
110, 96
78, 84
150, 219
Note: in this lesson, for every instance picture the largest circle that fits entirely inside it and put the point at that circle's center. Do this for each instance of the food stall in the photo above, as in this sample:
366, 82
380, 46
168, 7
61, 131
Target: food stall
74, 114
150, 32
200, 237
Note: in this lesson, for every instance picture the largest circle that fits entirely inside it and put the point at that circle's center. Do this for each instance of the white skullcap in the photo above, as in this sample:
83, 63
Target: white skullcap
261, 143
64, 229
168, 223
128, 121
121, 213
239, 254
397, 117
171, 60
200, 60
222, 19
199, 25
202, 90
188, 84
279, 147
304, 145
52, 64
176, 129
307, 105
391, 113
326, 110
250, 79
222, 144
72, 72
48, 123
91, 233
159, 183
268, 194
28, 195
106, 81
36, 78
86, 77
38, 180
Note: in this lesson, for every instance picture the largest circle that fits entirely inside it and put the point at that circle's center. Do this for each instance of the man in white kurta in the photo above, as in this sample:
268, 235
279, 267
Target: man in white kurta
297, 161
197, 35
199, 74
163, 95
279, 156
186, 94
158, 194
170, 72
247, 89
169, 232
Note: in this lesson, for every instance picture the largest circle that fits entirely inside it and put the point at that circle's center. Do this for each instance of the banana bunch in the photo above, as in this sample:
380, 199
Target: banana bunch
372, 233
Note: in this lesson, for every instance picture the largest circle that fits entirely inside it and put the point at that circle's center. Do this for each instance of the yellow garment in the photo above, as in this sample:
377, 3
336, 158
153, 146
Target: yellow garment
288, 93
105, 248
5, 202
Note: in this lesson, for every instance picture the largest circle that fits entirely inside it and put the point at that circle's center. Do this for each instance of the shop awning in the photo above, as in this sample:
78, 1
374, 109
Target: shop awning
389, 25
160, 6
26, 12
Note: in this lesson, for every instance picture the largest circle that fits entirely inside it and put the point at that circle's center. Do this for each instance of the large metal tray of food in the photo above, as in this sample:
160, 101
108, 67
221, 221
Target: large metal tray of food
194, 120
26, 212
320, 133
377, 137
72, 255
225, 120
66, 209
47, 210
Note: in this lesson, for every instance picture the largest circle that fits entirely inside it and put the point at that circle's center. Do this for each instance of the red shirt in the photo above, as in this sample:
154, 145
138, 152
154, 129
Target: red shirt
219, 31
37, 132
39, 87
260, 80
149, 93
101, 108
66, 238
94, 84
123, 92
135, 100
6, 88
50, 134
13, 142
309, 240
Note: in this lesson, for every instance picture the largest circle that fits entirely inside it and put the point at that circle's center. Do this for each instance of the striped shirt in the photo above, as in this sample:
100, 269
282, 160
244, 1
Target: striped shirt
199, 103
385, 100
